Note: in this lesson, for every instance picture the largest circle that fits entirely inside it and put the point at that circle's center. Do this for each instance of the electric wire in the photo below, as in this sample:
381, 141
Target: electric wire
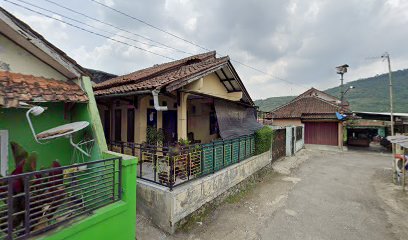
192, 43
88, 25
116, 27
87, 30
122, 29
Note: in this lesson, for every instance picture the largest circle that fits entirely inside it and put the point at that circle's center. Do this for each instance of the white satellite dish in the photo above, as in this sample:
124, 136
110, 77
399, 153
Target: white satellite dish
66, 130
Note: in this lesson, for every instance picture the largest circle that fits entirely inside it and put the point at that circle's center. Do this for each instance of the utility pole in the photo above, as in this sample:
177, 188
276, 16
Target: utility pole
341, 90
387, 56
341, 70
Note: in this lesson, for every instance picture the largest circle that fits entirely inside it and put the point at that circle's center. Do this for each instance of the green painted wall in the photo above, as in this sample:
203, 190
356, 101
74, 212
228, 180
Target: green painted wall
14, 120
115, 221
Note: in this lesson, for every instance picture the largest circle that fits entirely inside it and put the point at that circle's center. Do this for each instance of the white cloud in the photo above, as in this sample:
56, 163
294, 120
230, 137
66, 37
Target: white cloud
298, 41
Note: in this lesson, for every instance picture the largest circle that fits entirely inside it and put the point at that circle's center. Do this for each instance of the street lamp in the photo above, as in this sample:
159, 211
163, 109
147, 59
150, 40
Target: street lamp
348, 89
341, 70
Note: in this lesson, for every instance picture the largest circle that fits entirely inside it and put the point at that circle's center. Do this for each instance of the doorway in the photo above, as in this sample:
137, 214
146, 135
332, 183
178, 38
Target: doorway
169, 123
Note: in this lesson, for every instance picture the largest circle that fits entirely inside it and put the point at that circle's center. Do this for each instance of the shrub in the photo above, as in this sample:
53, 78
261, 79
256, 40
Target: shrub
263, 140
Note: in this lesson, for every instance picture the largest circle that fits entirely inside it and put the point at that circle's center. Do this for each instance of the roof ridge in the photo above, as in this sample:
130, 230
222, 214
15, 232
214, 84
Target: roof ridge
172, 66
296, 100
314, 89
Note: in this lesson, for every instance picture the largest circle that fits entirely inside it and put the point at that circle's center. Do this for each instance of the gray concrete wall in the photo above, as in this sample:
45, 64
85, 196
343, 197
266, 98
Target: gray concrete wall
166, 208
299, 144
289, 141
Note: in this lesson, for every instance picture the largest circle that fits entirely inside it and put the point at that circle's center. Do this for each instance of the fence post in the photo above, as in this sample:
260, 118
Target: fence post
27, 205
213, 157
10, 209
239, 149
120, 179
223, 154
245, 150
231, 152
171, 175
122, 147
141, 160
155, 166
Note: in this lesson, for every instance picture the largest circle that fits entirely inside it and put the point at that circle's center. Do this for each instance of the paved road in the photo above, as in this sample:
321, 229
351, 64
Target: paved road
335, 199
329, 196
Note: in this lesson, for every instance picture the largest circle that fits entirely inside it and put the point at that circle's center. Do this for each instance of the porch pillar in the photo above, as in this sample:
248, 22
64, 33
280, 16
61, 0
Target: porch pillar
182, 115
141, 119
340, 137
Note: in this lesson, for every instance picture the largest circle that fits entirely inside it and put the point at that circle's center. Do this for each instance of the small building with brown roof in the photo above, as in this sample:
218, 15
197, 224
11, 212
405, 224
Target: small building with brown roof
315, 110
189, 99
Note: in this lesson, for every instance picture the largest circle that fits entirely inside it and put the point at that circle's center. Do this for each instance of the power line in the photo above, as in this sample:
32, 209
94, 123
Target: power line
150, 25
89, 31
110, 38
190, 42
115, 26
88, 25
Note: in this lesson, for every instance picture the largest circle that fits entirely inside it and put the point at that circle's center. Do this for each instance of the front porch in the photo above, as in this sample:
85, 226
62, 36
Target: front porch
134, 119
175, 165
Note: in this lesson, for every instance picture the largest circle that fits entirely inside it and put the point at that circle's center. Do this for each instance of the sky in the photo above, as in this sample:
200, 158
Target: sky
295, 44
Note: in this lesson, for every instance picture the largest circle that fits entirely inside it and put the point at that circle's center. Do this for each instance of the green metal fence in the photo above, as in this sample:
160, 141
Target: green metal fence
171, 166
221, 154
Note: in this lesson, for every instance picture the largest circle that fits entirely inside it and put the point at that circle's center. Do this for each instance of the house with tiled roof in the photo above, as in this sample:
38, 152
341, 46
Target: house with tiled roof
183, 99
190, 121
316, 110
58, 178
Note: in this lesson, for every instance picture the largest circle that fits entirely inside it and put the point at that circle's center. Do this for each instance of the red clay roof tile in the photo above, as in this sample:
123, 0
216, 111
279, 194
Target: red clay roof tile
16, 87
306, 107
161, 75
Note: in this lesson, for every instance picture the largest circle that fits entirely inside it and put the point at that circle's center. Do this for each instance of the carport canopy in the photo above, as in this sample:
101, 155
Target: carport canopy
400, 140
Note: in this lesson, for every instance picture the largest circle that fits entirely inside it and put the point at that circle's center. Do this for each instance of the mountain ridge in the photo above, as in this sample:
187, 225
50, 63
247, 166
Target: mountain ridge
369, 95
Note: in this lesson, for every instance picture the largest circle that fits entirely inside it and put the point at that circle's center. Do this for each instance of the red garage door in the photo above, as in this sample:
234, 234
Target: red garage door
325, 133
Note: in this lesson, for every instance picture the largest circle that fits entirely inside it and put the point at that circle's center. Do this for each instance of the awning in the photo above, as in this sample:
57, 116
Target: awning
400, 140
235, 120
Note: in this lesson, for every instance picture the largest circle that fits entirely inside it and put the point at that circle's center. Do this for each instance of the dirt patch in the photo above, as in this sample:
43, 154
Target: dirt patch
241, 212
234, 195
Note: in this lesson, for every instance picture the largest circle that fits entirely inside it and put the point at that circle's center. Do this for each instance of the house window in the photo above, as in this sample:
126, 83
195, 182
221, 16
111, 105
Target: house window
213, 123
131, 125
118, 125
3, 152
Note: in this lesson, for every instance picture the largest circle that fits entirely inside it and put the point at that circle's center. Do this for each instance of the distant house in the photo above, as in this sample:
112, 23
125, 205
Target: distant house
317, 111
185, 99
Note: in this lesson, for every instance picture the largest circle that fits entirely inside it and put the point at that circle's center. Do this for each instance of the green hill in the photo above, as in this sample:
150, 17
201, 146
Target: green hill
370, 94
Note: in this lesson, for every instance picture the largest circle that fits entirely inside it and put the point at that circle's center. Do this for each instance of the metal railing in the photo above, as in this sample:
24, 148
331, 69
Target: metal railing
35, 202
175, 165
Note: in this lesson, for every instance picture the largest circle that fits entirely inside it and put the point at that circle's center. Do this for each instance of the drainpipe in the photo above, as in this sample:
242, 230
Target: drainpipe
157, 106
